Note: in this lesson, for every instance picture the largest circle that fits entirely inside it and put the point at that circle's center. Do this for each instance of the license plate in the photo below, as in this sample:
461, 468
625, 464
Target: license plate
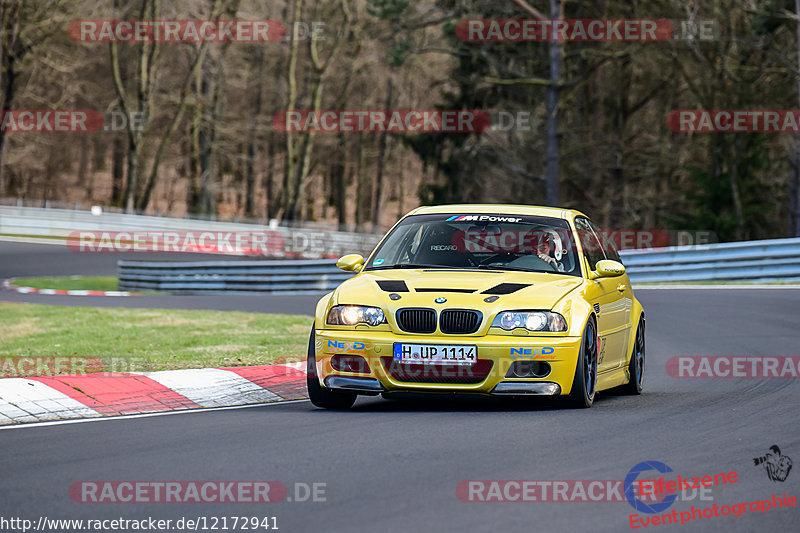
436, 354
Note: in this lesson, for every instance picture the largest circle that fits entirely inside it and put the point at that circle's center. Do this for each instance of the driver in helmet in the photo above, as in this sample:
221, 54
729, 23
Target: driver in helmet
545, 249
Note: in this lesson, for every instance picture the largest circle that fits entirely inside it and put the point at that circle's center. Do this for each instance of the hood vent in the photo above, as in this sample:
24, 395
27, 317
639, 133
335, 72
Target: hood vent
506, 288
392, 285
426, 289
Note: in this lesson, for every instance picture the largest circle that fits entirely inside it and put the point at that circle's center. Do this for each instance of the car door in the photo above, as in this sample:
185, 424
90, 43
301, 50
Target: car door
606, 298
623, 285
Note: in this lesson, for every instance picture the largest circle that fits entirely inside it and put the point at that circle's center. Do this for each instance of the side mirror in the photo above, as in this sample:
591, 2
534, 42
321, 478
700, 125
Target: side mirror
351, 263
607, 269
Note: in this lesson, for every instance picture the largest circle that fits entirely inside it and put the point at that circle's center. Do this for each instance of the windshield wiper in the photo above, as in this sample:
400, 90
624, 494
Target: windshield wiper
408, 265
504, 267
517, 269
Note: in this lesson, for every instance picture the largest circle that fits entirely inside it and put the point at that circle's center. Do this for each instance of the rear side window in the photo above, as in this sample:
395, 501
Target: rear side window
592, 249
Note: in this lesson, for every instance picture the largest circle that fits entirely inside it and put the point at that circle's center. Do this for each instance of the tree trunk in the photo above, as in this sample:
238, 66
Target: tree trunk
339, 172
300, 161
205, 139
735, 196
360, 185
117, 169
9, 54
195, 125
83, 168
401, 194
250, 155
269, 180
149, 11
176, 118
619, 122
553, 89
175, 121
794, 178
287, 193
376, 202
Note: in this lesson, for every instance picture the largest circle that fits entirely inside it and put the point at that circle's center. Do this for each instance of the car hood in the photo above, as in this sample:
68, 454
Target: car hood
466, 289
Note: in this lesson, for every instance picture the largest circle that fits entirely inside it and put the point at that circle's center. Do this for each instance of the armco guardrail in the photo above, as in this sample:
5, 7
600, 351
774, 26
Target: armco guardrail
296, 243
754, 261
199, 277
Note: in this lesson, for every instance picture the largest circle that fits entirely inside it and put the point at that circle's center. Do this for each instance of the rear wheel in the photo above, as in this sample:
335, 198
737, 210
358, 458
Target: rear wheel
319, 395
636, 366
584, 385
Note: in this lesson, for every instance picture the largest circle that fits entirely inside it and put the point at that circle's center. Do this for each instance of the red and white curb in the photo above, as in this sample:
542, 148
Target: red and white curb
74, 292
44, 398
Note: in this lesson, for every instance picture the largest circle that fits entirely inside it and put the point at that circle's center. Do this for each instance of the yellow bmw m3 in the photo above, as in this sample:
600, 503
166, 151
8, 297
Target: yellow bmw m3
502, 300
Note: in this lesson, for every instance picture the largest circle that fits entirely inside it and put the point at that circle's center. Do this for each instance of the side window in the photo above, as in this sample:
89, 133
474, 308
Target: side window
592, 249
609, 248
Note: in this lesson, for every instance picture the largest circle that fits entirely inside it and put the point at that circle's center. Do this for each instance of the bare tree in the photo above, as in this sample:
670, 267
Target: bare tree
300, 145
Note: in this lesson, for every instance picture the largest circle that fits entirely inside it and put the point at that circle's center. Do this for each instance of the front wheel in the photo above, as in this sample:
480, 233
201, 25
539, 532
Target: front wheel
319, 395
584, 385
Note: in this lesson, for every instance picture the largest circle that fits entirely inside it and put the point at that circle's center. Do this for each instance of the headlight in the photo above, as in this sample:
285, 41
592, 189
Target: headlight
350, 315
530, 320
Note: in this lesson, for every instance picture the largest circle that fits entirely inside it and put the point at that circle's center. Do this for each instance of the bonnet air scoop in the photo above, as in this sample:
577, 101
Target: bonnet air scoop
506, 288
390, 285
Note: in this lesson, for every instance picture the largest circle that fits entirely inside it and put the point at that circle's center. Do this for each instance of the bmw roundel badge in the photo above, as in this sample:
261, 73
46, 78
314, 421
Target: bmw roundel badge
440, 300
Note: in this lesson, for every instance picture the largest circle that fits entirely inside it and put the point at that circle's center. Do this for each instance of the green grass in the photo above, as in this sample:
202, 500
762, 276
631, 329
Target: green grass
151, 339
90, 283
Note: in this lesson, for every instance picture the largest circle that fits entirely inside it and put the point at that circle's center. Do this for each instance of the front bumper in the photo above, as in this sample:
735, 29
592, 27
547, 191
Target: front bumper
496, 354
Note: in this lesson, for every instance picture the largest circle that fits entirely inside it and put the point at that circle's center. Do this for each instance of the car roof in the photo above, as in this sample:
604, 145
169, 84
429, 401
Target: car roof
532, 210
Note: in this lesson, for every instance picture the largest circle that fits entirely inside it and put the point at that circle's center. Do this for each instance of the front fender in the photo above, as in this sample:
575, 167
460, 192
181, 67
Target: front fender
320, 315
576, 311
636, 311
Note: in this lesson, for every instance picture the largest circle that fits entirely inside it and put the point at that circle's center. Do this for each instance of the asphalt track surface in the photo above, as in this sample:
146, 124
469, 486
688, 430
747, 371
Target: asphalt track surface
393, 466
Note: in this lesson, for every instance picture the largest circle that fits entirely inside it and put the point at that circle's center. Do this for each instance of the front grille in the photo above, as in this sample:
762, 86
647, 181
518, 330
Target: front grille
459, 321
417, 320
422, 373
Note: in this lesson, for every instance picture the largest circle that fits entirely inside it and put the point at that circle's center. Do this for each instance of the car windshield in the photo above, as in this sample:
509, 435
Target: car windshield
479, 241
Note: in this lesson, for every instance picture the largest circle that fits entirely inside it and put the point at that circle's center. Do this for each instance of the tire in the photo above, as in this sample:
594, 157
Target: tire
319, 395
636, 366
584, 385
